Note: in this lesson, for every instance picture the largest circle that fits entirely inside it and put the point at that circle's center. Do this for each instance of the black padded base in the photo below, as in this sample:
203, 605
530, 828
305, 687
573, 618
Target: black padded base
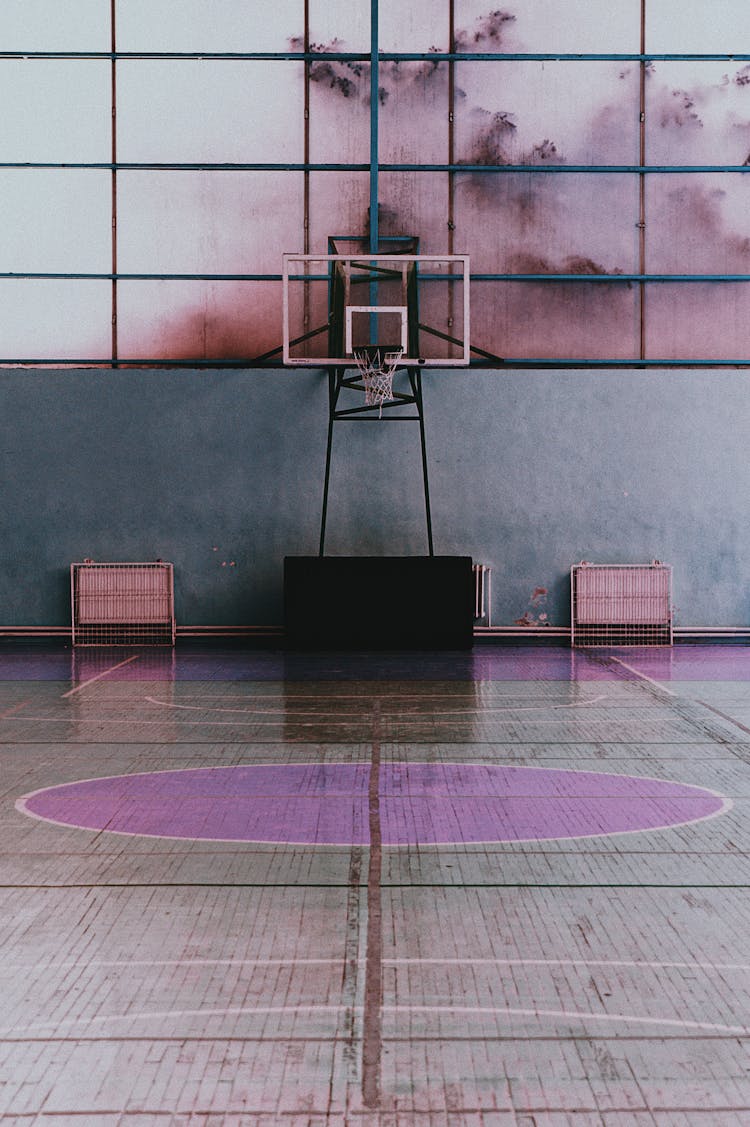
378, 602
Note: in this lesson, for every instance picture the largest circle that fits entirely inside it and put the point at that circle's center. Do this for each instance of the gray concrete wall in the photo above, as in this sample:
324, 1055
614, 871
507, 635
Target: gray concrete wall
221, 473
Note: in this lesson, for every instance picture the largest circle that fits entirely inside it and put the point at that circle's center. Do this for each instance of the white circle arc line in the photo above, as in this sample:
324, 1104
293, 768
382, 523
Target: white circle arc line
21, 807
467, 1011
288, 714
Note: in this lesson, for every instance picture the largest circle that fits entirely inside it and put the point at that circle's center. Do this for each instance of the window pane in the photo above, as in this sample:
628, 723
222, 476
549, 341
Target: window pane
567, 26
340, 25
556, 319
55, 320
414, 113
55, 110
533, 113
339, 205
420, 25
201, 320
58, 221
707, 321
194, 25
208, 222
192, 110
698, 224
416, 203
696, 27
698, 113
48, 25
340, 113
564, 223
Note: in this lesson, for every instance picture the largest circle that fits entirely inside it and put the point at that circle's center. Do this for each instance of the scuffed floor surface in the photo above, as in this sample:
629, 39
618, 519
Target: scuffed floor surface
500, 889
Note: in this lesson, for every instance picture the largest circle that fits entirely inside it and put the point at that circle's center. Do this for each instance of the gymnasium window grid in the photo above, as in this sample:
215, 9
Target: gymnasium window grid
638, 296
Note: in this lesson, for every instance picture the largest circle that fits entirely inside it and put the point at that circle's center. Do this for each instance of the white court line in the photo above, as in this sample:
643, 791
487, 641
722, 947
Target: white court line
512, 1011
363, 698
135, 723
85, 684
448, 1009
634, 964
14, 708
22, 807
644, 677
292, 713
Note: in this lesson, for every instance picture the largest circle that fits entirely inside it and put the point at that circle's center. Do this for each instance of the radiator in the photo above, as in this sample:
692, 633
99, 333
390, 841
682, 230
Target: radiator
621, 604
122, 603
483, 592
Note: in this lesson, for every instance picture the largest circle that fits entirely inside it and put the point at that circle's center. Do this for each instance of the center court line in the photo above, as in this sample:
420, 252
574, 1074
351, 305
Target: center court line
448, 1009
372, 1018
85, 684
644, 677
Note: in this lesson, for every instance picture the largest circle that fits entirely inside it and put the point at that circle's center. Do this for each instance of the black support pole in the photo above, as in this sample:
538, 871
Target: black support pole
332, 399
415, 378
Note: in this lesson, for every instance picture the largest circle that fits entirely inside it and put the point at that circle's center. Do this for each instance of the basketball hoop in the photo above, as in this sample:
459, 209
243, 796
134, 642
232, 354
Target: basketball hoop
376, 367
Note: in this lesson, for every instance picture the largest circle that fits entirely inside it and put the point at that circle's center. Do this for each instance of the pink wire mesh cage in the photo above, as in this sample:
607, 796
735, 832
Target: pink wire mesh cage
621, 604
122, 604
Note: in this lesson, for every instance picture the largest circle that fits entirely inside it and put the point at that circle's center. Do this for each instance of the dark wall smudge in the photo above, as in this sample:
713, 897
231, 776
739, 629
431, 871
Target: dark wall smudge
233, 324
535, 614
521, 262
488, 32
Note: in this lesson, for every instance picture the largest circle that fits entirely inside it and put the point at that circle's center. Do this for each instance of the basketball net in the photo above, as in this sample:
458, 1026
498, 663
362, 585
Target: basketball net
376, 367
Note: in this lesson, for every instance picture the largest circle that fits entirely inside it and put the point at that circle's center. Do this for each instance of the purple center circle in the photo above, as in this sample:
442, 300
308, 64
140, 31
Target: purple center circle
328, 804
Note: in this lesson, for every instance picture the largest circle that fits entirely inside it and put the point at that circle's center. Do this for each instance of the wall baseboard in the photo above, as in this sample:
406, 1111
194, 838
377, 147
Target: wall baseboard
556, 635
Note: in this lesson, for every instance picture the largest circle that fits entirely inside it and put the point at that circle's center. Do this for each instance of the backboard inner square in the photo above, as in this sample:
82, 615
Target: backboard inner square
387, 324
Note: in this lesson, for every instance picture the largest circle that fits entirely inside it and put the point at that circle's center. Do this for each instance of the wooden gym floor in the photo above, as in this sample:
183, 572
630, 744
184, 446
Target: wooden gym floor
508, 888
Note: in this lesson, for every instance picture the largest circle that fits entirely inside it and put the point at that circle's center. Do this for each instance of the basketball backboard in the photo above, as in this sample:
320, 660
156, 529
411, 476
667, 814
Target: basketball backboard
336, 303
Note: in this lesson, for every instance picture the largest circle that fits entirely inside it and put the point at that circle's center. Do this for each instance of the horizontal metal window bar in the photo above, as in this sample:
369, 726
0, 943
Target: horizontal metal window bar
146, 277
139, 362
255, 362
608, 362
554, 56
550, 277
563, 168
209, 56
195, 166
83, 276
269, 166
385, 56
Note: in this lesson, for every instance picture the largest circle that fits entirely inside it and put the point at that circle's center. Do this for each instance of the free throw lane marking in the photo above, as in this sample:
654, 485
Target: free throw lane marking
644, 677
14, 708
105, 673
